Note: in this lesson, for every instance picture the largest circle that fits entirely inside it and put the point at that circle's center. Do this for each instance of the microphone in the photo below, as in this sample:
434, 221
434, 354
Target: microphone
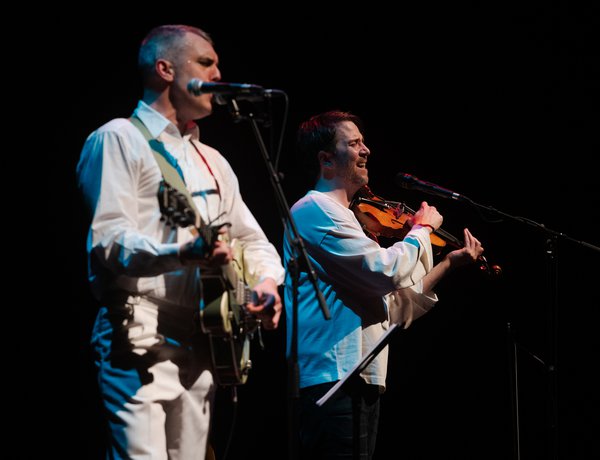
221, 90
413, 183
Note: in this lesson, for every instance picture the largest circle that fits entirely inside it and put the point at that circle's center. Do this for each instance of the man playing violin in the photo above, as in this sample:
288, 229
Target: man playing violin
365, 286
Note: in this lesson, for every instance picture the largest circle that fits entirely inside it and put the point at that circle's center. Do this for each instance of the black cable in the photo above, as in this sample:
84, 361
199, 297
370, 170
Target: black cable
234, 401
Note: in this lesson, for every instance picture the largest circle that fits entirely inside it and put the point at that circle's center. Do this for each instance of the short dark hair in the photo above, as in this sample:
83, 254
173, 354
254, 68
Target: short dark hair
164, 42
317, 134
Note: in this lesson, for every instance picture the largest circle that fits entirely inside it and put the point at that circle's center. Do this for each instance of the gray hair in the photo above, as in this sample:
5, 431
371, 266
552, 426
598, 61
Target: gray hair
164, 42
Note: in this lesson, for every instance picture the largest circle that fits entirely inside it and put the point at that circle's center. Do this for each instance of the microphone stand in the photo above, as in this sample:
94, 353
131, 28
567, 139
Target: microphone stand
550, 363
299, 260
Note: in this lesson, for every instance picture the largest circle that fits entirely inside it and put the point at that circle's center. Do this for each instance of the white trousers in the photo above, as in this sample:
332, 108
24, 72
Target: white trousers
155, 381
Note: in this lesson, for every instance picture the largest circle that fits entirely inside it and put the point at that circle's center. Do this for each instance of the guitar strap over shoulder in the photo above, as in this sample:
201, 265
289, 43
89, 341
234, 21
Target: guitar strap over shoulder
223, 316
169, 168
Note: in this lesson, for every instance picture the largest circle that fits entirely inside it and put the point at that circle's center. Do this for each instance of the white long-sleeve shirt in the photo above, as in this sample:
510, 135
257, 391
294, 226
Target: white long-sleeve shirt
130, 248
364, 286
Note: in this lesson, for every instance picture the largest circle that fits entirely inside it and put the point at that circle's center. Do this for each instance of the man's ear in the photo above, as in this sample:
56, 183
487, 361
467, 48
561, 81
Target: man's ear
164, 69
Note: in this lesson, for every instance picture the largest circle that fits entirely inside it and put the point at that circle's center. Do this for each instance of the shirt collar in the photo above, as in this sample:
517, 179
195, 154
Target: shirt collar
157, 123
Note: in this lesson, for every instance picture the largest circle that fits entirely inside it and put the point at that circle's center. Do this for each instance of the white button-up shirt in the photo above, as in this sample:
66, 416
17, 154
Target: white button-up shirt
130, 248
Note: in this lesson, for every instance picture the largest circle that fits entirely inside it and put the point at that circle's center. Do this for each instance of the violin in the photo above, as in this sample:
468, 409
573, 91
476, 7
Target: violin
380, 217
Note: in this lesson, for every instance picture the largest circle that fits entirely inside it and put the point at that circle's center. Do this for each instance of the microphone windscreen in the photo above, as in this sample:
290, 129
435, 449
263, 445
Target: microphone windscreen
404, 180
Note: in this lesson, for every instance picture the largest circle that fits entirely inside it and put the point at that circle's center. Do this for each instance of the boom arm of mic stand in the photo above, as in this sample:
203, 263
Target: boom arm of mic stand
532, 223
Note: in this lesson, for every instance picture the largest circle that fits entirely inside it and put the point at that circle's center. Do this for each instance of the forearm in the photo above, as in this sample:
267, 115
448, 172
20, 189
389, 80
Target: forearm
261, 259
131, 254
436, 274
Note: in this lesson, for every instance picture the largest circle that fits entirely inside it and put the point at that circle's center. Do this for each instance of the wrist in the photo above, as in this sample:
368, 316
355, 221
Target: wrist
193, 251
428, 226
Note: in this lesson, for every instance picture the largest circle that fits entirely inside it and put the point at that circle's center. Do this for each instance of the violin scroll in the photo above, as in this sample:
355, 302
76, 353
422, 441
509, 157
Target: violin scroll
493, 271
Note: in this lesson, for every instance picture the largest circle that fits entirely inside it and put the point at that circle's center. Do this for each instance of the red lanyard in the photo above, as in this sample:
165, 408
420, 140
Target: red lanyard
208, 167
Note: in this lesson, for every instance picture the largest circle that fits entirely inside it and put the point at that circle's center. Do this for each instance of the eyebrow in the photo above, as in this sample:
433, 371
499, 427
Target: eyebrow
206, 60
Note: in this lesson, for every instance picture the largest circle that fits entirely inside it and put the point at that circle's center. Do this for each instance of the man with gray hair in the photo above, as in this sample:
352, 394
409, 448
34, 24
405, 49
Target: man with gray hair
155, 372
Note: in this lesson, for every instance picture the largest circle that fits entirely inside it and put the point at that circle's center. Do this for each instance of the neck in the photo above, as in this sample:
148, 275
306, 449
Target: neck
342, 193
160, 102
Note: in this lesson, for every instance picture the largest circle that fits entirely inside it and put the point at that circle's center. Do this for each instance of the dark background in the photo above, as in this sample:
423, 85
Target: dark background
497, 102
